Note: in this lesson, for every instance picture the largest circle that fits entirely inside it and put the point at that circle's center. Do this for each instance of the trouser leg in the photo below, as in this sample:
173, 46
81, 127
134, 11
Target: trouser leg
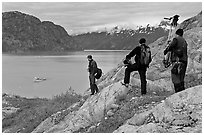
96, 88
128, 71
127, 76
183, 72
177, 82
178, 79
182, 87
92, 83
142, 74
177, 87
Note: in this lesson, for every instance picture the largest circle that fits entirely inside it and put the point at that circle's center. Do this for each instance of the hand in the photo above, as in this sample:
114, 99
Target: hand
126, 65
126, 62
165, 51
169, 41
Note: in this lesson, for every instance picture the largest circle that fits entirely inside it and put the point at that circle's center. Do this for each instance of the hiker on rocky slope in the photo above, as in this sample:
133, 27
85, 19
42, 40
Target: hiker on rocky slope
174, 20
92, 69
142, 55
179, 58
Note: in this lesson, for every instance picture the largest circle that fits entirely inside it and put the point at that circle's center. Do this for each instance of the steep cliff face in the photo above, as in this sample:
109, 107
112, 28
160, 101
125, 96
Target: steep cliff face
22, 32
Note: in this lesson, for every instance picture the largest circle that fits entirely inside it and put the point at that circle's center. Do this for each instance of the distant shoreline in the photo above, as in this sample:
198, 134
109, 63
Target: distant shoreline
105, 50
60, 53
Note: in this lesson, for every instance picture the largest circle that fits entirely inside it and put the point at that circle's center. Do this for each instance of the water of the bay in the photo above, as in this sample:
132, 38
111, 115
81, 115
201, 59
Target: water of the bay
60, 71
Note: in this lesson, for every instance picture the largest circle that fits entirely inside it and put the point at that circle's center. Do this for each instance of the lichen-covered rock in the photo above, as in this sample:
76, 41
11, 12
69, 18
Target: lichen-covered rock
175, 114
192, 22
92, 111
55, 118
138, 119
110, 113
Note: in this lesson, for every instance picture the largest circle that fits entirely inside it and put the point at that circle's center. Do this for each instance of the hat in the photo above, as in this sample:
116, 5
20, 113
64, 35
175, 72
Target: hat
179, 32
89, 56
176, 16
142, 40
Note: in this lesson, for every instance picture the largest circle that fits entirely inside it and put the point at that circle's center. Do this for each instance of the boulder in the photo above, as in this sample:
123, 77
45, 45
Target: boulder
181, 110
126, 129
138, 119
110, 113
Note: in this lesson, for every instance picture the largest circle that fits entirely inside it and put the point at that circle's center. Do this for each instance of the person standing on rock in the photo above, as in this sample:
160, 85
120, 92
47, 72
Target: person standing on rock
92, 69
143, 58
175, 20
179, 58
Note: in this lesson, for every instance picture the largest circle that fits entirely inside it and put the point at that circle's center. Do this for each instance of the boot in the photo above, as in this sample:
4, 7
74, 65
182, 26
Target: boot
143, 89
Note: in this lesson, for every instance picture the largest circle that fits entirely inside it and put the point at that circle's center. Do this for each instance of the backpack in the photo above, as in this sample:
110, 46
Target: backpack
145, 57
98, 73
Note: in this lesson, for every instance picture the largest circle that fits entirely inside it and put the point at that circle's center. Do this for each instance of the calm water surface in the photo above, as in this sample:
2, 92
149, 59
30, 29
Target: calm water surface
61, 72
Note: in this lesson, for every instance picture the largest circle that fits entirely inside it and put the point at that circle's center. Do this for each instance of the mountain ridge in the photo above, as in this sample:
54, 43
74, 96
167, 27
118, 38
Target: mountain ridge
22, 32
119, 39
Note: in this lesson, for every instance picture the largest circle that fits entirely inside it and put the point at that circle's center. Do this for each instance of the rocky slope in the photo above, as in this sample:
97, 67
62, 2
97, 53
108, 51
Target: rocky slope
181, 112
23, 33
21, 114
195, 21
119, 109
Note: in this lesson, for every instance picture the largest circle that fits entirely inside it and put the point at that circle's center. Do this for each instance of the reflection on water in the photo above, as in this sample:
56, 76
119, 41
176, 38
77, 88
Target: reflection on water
61, 72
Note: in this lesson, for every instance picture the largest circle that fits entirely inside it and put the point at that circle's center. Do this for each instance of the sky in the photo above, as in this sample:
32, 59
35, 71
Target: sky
81, 17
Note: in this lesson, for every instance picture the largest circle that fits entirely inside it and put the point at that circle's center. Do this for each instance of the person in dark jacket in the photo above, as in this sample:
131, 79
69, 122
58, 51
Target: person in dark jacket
92, 69
178, 47
137, 66
175, 20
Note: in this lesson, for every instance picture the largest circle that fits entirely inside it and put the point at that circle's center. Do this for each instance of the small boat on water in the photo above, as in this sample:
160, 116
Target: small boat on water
38, 79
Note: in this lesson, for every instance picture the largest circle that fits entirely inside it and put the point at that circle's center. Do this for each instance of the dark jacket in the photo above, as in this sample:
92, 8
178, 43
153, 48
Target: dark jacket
179, 49
137, 53
92, 67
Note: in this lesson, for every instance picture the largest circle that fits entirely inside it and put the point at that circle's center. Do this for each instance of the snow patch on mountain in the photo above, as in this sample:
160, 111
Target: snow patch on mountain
148, 29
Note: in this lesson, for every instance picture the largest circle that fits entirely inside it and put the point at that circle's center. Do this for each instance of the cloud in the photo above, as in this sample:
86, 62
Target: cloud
86, 16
